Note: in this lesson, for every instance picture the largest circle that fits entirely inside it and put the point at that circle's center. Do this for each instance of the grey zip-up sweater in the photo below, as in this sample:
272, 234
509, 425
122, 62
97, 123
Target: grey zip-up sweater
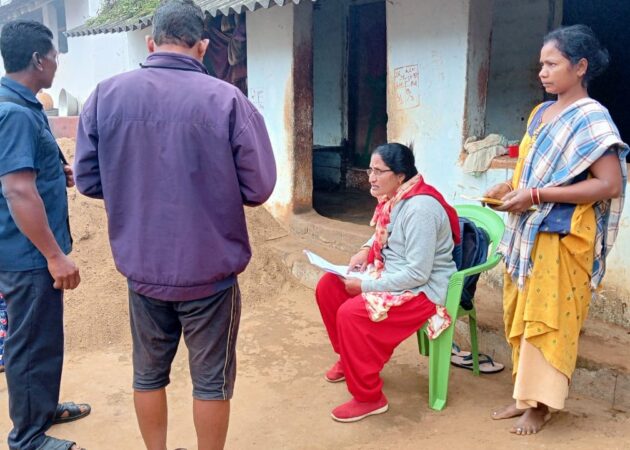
418, 255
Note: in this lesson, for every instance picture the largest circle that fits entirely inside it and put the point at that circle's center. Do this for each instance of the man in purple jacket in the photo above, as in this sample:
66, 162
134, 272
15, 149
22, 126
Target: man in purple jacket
176, 154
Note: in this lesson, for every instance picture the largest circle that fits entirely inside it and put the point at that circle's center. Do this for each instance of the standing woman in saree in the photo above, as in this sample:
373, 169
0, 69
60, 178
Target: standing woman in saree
572, 169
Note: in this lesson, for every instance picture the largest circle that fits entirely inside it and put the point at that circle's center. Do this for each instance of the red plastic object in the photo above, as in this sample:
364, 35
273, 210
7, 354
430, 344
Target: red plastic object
513, 151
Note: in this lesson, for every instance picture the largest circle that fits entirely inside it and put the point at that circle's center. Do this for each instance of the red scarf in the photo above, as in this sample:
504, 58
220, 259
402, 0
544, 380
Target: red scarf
379, 303
382, 215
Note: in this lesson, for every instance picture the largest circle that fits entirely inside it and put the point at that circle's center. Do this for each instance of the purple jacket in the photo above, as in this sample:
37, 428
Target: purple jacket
175, 154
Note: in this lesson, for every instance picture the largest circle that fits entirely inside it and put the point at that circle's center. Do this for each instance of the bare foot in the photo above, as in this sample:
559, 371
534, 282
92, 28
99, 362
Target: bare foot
507, 412
532, 421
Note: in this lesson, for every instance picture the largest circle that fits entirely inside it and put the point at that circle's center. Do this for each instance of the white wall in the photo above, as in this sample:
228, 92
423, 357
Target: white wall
614, 300
430, 38
89, 60
92, 59
270, 86
137, 47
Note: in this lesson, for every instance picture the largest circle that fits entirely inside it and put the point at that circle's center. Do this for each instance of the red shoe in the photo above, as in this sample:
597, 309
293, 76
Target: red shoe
354, 411
335, 373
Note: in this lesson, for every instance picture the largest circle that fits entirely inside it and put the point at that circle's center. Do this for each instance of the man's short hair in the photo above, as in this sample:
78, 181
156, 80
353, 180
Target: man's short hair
178, 22
20, 39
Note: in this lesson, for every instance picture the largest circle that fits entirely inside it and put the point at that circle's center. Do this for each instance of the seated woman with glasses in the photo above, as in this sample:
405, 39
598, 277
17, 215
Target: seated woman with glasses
410, 262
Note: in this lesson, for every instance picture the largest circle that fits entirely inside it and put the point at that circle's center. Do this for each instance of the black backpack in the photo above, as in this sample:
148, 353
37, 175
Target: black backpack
470, 252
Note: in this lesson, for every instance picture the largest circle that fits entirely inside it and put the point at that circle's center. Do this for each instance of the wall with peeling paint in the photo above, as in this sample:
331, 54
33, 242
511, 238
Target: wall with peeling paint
428, 46
518, 28
479, 35
426, 43
613, 303
270, 85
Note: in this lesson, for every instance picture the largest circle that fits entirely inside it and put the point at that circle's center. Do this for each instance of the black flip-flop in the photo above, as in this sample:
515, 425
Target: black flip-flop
486, 363
455, 350
74, 412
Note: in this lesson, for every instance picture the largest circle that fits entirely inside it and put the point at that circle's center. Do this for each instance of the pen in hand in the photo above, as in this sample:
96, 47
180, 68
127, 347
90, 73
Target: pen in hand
358, 262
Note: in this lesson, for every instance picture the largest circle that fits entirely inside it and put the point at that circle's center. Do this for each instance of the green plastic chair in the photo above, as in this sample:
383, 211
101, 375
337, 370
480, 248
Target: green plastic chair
439, 350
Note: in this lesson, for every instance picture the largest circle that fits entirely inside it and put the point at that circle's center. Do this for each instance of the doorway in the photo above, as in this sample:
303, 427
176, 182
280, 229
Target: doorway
609, 20
367, 81
350, 103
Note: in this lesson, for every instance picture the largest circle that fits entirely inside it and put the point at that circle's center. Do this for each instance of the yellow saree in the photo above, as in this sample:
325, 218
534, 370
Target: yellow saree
550, 310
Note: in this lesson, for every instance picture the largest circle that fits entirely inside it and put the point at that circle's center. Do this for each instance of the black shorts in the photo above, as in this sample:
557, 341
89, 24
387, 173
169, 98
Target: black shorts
210, 327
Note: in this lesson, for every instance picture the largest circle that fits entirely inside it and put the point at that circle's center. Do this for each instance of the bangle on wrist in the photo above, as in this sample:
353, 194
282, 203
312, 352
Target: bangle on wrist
534, 193
509, 185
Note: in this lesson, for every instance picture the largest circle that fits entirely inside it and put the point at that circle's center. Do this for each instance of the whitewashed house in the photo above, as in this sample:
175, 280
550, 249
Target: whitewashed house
335, 78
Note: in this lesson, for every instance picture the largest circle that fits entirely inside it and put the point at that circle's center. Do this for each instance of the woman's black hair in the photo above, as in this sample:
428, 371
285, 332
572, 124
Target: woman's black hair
576, 42
399, 158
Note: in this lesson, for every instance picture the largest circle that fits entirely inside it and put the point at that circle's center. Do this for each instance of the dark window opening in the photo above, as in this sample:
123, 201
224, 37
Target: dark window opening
609, 20
226, 57
367, 81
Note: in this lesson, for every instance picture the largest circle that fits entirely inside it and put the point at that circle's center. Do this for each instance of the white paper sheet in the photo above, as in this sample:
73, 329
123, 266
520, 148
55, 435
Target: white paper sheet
340, 270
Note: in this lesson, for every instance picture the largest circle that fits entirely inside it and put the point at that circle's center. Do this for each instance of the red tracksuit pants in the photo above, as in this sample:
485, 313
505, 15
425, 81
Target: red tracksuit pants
365, 346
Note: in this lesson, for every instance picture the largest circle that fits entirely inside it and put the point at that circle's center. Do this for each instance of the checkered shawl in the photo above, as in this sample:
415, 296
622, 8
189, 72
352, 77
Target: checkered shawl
565, 148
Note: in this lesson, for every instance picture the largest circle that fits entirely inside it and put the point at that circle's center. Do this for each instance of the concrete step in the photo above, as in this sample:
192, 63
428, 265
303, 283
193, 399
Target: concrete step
343, 236
603, 366
290, 250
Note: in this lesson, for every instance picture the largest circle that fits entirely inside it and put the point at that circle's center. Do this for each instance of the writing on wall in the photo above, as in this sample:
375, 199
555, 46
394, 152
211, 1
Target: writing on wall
257, 97
407, 85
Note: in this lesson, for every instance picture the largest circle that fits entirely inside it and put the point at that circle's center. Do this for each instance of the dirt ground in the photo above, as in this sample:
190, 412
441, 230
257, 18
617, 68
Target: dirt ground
281, 399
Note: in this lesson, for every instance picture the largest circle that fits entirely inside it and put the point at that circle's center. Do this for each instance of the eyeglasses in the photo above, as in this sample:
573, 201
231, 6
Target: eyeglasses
376, 172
